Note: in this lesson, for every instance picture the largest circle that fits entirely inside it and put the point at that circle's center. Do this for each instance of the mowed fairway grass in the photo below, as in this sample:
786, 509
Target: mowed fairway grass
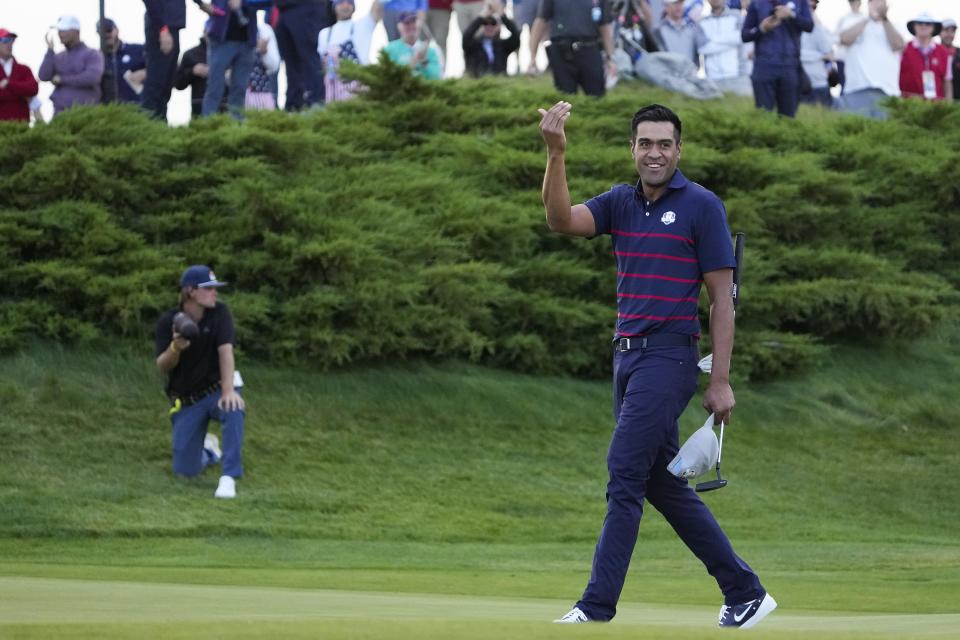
449, 501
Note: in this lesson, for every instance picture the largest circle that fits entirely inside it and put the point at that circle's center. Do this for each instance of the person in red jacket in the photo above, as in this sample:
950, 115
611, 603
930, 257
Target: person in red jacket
925, 67
17, 84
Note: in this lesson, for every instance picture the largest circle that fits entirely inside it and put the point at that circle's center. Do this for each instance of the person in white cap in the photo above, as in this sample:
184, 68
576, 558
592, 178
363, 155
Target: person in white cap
947, 34
925, 67
75, 72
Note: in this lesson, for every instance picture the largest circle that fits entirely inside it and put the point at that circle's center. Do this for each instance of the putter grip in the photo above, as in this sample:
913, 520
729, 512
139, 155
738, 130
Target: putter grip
737, 270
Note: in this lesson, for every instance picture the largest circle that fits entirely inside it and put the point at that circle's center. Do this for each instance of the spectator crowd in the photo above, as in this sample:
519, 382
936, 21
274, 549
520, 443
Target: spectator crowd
777, 51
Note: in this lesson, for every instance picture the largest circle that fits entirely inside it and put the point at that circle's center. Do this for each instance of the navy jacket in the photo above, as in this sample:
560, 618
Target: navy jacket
127, 57
166, 13
220, 20
286, 4
782, 45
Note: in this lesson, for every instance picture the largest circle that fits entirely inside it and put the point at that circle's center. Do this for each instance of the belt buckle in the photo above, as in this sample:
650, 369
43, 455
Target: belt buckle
624, 344
576, 47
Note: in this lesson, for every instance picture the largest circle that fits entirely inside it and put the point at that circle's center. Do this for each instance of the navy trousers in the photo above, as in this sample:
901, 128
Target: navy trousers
161, 70
777, 86
651, 389
189, 429
580, 68
297, 32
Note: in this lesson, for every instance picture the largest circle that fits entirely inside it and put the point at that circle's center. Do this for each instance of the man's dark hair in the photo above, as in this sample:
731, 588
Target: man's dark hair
655, 113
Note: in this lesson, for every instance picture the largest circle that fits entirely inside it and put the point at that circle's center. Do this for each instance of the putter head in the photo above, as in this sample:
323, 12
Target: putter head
710, 485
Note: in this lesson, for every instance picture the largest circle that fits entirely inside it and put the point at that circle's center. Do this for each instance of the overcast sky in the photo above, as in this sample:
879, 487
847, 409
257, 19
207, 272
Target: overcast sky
31, 20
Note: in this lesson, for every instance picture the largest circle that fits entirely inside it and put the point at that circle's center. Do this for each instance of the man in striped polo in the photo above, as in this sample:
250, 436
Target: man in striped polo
669, 236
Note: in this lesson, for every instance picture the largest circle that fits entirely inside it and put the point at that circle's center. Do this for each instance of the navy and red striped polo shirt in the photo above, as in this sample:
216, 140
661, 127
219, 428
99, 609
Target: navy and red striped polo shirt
662, 249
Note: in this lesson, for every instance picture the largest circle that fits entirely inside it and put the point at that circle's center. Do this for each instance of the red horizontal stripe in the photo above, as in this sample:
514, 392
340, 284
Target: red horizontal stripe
634, 234
653, 277
621, 334
629, 254
637, 316
649, 297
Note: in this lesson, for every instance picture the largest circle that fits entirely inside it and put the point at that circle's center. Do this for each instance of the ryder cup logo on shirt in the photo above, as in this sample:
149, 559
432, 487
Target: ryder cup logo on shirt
668, 218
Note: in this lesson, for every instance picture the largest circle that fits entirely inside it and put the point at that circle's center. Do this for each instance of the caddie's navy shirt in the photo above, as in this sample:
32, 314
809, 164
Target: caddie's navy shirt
662, 249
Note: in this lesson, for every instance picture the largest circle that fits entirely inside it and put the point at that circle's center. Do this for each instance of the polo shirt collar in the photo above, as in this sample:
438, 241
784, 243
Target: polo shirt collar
678, 181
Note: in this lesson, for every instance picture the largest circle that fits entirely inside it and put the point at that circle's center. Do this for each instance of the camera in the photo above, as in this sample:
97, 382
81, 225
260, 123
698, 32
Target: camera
185, 326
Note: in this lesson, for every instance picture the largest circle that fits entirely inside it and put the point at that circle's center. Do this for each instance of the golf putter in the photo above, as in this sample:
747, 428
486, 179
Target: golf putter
706, 364
719, 483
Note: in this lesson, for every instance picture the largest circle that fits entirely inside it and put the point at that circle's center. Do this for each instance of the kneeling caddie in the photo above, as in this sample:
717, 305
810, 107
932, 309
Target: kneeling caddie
194, 346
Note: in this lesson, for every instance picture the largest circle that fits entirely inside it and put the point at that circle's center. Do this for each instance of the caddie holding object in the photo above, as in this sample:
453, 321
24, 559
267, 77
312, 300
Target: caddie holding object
194, 347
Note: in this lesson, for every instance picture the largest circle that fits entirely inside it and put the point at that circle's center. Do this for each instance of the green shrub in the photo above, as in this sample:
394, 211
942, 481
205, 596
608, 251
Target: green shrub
408, 223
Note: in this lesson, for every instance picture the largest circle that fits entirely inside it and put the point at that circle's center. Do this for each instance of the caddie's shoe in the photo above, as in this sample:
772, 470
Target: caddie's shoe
574, 617
747, 614
227, 488
212, 446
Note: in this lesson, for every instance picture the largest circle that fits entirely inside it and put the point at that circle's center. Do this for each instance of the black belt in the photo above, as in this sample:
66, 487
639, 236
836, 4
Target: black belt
575, 44
194, 398
654, 340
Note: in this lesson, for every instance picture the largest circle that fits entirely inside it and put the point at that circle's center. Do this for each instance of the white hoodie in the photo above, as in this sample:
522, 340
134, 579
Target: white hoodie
723, 55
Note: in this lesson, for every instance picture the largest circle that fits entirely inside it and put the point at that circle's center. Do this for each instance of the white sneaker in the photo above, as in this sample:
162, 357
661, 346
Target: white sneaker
575, 616
212, 445
227, 488
746, 615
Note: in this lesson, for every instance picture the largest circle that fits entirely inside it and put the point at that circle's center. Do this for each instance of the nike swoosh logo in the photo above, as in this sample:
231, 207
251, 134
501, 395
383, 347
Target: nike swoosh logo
743, 615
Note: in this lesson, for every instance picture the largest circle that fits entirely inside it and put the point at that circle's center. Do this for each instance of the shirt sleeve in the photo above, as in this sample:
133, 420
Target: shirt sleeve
139, 60
608, 14
163, 333
804, 18
432, 70
546, 10
225, 330
157, 15
602, 207
363, 36
751, 24
712, 237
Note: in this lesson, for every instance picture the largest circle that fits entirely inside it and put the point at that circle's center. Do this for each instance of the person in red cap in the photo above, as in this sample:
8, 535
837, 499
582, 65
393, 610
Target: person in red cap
17, 84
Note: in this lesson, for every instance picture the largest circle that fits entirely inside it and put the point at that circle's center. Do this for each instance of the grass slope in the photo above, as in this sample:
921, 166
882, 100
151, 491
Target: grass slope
464, 481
